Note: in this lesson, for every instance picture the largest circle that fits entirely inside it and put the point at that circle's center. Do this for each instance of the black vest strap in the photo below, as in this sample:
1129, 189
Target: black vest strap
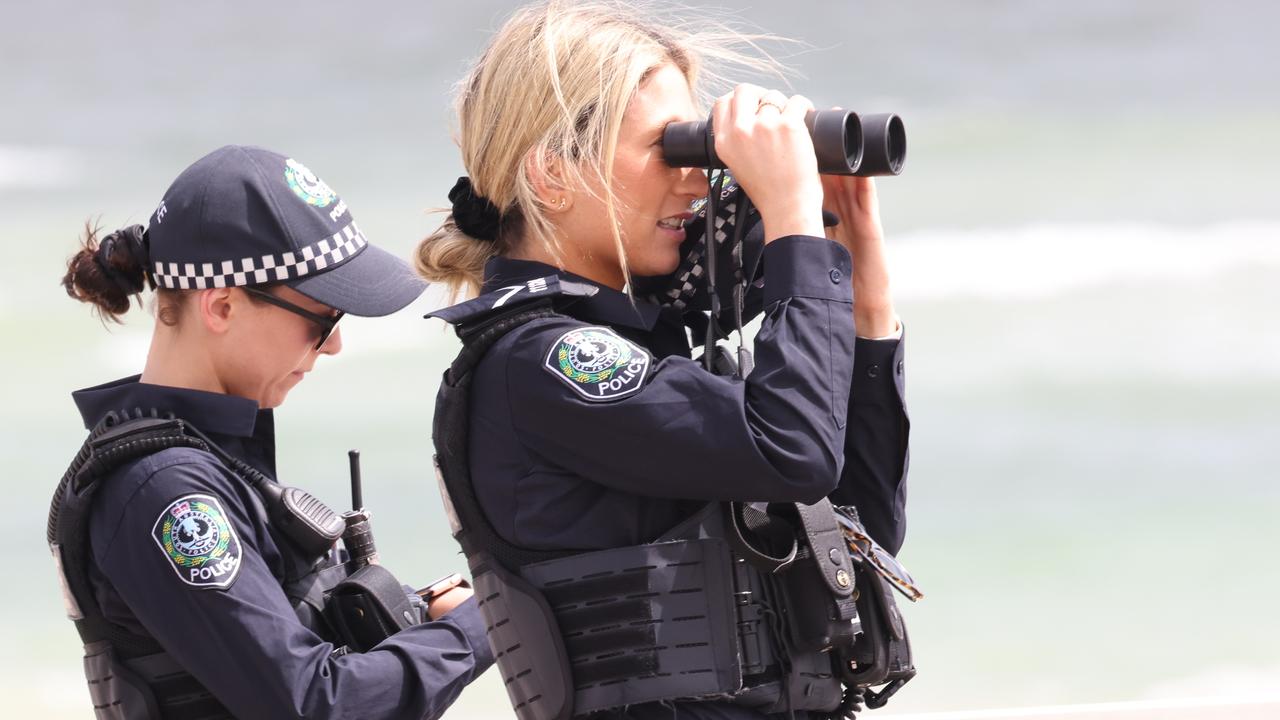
96, 628
451, 435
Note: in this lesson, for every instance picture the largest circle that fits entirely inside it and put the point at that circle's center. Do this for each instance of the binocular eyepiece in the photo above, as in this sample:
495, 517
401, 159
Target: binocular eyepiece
844, 143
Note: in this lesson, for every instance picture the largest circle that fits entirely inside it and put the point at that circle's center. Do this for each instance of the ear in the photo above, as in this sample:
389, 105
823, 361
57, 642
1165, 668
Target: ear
216, 306
546, 174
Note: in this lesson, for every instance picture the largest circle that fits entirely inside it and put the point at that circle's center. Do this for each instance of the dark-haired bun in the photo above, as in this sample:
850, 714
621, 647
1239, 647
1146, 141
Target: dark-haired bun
107, 273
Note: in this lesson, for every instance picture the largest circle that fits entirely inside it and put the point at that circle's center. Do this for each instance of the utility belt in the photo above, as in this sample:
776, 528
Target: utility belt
351, 601
774, 607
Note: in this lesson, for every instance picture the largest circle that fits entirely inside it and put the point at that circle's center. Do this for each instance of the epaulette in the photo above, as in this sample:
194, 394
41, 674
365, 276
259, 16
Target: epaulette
505, 298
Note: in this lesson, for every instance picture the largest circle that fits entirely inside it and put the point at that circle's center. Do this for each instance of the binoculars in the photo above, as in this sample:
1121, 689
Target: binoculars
845, 144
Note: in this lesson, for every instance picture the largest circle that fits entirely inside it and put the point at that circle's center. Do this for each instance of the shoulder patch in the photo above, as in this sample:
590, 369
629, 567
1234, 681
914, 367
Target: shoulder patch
598, 363
198, 540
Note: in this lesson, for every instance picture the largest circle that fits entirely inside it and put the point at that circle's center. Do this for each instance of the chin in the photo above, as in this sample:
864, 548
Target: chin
270, 403
273, 400
657, 266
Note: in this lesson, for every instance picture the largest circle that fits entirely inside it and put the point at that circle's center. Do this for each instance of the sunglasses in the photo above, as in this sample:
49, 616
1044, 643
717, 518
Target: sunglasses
869, 554
326, 323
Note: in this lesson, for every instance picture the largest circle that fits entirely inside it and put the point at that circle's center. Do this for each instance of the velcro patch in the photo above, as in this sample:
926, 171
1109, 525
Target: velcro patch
198, 541
598, 364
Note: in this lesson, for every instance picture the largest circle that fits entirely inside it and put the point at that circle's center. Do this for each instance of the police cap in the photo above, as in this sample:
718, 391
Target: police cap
248, 216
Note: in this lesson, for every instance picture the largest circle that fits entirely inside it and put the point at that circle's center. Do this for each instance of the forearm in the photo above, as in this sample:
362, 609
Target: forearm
876, 442
873, 312
425, 668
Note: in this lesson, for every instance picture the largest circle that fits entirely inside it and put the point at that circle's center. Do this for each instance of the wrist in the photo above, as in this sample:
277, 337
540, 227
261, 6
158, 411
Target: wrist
794, 223
798, 212
877, 323
445, 603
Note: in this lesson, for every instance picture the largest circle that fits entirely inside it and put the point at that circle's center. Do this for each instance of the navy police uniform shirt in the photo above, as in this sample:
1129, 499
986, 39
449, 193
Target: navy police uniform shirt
228, 622
596, 430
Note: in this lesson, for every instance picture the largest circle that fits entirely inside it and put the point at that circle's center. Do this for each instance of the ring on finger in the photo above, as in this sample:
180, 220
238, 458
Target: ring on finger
766, 102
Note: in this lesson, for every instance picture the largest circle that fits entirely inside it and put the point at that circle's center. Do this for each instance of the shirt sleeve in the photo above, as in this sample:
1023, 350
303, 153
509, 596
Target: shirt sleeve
243, 640
684, 433
876, 443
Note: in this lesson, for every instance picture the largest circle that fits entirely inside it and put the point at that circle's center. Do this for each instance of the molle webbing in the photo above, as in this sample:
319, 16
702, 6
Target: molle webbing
644, 623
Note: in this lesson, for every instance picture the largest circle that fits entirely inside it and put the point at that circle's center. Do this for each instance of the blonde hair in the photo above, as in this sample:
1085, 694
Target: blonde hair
555, 82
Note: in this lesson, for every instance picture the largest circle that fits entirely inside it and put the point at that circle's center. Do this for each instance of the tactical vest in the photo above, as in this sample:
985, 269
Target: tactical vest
751, 604
130, 675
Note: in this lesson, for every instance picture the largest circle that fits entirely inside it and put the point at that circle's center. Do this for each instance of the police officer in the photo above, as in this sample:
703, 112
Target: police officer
589, 427
194, 600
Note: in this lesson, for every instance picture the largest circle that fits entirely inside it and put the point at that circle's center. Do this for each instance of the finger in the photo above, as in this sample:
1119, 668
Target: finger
867, 192
747, 96
772, 99
796, 109
745, 103
830, 187
720, 111
836, 191
722, 122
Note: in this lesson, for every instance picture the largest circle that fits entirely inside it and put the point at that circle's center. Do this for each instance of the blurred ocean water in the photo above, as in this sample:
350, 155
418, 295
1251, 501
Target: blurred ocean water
1085, 248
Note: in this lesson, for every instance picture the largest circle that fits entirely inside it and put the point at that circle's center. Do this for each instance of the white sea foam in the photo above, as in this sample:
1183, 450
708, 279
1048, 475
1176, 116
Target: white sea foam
26, 166
1239, 680
1048, 260
1002, 265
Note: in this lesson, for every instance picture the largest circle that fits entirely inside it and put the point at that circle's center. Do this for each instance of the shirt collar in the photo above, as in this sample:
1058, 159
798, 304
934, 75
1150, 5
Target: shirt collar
607, 306
211, 412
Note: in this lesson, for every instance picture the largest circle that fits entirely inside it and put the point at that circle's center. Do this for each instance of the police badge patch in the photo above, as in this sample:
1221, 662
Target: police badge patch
598, 363
198, 540
304, 183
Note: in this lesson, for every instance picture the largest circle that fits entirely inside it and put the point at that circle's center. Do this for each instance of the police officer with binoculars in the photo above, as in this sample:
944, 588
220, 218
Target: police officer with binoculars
655, 534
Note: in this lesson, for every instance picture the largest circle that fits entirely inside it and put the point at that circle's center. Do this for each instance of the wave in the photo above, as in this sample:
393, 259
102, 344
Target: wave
1046, 260
1238, 680
1002, 265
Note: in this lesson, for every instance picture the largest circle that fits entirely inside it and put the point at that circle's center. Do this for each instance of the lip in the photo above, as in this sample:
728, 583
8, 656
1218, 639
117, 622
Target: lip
678, 234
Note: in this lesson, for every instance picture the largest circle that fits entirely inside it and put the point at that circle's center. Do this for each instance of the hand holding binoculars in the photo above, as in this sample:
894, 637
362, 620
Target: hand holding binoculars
844, 143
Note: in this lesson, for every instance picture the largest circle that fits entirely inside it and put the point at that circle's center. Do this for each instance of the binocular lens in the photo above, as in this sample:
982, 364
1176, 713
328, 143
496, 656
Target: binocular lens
843, 143
837, 140
687, 144
884, 145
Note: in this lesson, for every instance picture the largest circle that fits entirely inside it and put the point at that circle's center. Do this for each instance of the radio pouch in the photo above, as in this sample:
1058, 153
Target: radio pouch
369, 606
881, 655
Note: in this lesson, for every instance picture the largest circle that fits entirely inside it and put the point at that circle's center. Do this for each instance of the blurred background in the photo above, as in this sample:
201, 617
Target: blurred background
1085, 247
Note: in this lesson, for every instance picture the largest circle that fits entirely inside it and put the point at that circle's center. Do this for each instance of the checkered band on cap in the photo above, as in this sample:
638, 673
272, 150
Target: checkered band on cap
314, 258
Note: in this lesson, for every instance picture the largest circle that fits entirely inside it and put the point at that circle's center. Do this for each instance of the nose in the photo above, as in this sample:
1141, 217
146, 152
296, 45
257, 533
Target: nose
692, 183
333, 343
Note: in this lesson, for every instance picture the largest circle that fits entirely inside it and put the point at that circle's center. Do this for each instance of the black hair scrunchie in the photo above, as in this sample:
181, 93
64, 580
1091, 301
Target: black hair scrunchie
473, 213
123, 256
